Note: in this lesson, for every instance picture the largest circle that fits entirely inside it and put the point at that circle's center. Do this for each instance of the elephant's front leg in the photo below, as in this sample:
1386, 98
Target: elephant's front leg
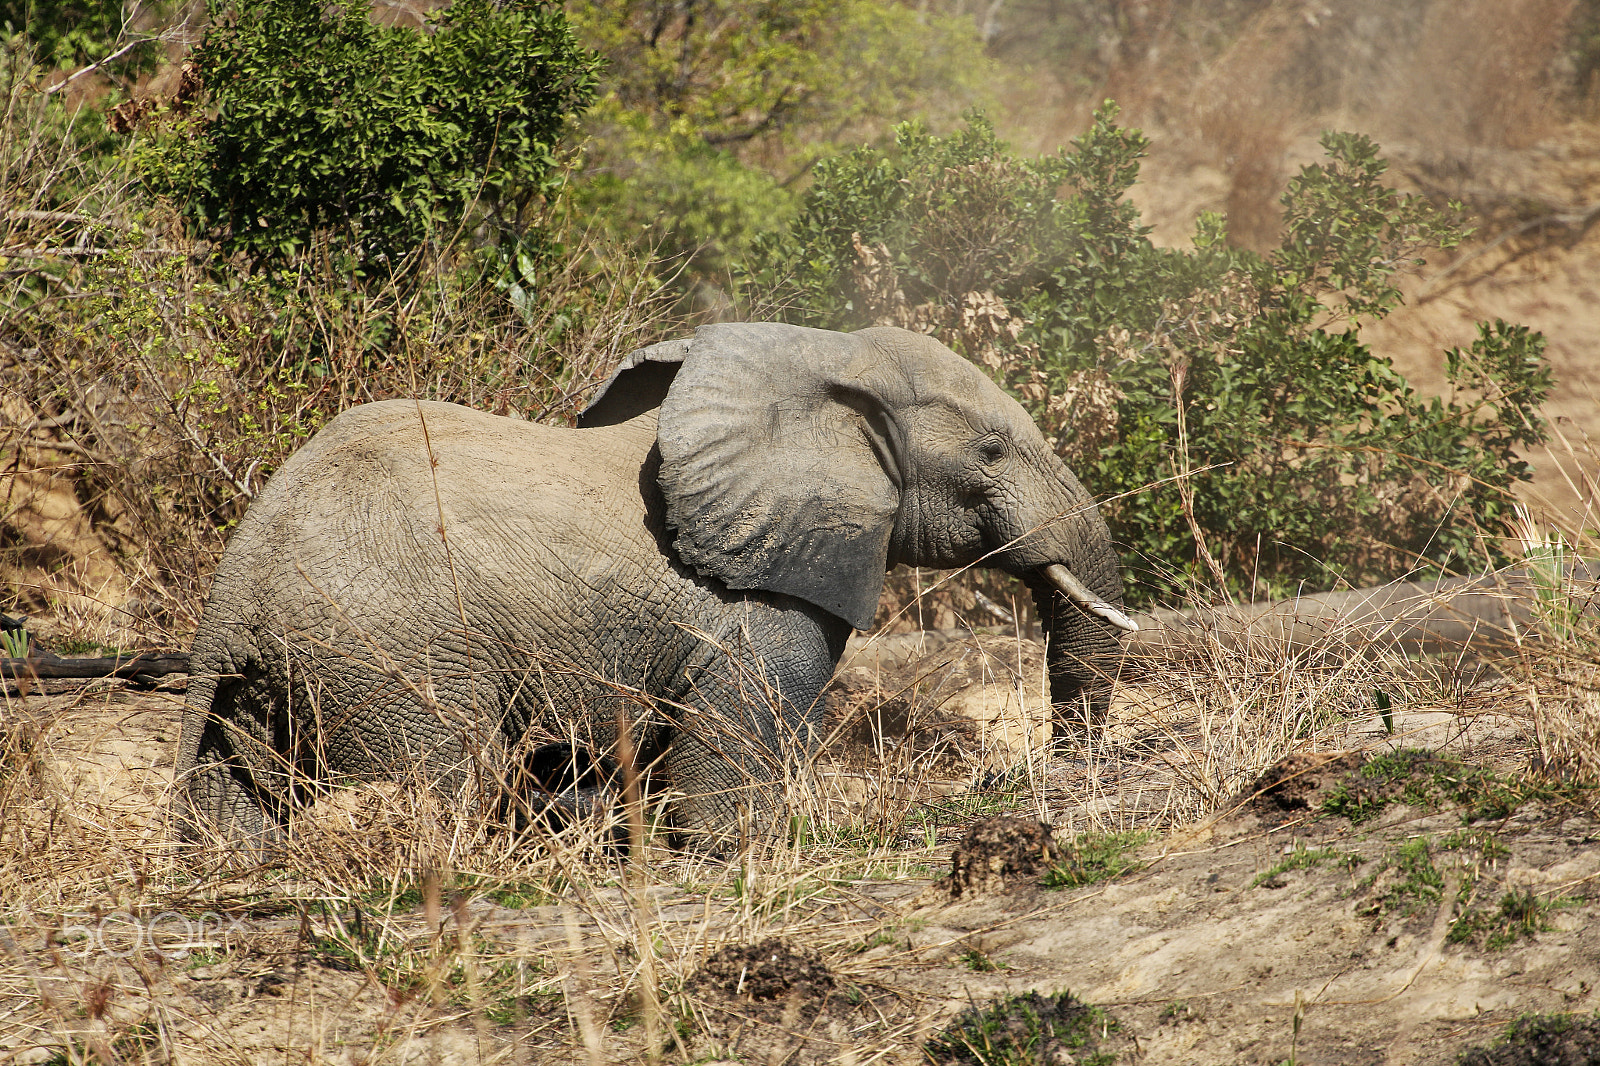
750, 720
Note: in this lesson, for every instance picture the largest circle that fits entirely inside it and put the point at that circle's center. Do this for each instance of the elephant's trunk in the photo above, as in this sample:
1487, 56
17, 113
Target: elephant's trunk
1082, 657
1078, 594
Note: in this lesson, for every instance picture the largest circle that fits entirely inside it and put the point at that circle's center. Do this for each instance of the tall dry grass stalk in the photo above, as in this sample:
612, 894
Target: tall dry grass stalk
1559, 662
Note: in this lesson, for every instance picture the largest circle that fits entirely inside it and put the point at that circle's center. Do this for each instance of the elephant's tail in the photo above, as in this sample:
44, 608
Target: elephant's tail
189, 820
216, 796
196, 712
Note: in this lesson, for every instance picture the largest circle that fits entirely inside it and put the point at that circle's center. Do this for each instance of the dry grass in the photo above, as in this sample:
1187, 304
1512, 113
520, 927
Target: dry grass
435, 927
1559, 663
392, 925
1442, 81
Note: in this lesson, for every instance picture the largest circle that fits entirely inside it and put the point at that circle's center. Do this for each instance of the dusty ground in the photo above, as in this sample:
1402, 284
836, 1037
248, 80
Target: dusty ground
1271, 928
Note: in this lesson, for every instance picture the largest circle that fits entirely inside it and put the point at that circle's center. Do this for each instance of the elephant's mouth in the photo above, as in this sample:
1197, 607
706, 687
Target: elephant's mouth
1085, 600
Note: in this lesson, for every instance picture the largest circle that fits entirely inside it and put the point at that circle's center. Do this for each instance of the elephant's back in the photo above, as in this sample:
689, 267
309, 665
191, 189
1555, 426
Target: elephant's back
399, 514
428, 451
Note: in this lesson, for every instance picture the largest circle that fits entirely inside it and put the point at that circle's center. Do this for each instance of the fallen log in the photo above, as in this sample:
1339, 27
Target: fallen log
45, 666
1445, 616
1496, 612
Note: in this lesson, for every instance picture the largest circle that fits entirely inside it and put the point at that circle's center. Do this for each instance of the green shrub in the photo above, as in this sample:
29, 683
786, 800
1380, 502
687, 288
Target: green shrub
697, 205
1027, 1030
712, 112
318, 119
75, 33
1220, 402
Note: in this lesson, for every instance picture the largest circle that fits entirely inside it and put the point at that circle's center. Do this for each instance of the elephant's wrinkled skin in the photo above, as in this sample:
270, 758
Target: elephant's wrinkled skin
424, 585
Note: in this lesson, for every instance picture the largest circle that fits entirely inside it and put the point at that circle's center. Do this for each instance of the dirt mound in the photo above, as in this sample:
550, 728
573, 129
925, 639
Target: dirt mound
768, 970
1029, 1028
1543, 1040
1297, 783
995, 854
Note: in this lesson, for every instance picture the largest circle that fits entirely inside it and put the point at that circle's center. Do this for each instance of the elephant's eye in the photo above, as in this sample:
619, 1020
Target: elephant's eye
991, 451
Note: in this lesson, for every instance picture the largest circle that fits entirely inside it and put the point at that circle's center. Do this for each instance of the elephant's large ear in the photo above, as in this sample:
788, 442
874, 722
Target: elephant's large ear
781, 452
636, 386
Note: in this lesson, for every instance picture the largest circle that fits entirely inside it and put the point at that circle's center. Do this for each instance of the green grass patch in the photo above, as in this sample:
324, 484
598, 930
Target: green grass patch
1519, 915
1095, 857
1404, 881
1537, 1039
1304, 858
1408, 879
203, 957
893, 933
1026, 1030
517, 895
391, 898
1483, 841
964, 808
1429, 781
1420, 880
981, 962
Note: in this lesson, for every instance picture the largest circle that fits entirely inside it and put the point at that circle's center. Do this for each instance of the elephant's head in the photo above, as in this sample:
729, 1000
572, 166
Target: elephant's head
809, 462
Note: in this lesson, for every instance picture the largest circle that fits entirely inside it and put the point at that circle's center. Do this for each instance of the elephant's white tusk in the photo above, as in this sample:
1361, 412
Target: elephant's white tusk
1079, 594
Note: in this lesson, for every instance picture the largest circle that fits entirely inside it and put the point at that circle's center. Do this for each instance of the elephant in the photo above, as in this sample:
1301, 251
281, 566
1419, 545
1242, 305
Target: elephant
427, 586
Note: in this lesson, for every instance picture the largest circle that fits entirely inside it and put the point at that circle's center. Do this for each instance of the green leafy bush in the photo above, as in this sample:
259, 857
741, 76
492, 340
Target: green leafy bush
161, 380
318, 119
712, 111
1220, 401
69, 33
696, 205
